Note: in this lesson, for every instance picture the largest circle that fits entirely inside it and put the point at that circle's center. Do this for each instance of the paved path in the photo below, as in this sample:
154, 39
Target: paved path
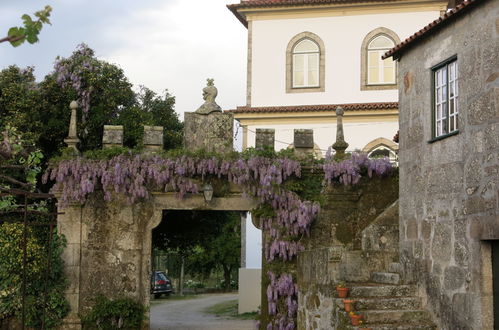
188, 315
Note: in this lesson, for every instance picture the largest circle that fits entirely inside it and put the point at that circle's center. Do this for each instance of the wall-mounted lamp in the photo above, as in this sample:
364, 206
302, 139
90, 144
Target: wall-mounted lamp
207, 192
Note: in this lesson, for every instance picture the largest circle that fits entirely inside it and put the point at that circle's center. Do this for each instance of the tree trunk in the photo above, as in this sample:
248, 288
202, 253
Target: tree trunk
181, 289
227, 271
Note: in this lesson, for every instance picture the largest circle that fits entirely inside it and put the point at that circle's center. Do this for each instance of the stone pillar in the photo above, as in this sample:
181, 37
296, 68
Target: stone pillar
340, 145
69, 224
264, 138
212, 132
112, 137
153, 137
72, 139
304, 141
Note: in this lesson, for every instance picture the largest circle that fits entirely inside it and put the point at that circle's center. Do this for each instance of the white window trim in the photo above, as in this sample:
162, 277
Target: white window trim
444, 79
306, 66
381, 64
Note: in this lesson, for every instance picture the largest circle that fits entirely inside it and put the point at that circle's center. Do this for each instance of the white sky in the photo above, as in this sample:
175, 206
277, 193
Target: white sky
161, 44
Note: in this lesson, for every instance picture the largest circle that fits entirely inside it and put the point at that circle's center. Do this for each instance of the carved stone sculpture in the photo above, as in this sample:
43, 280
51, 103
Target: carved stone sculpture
210, 92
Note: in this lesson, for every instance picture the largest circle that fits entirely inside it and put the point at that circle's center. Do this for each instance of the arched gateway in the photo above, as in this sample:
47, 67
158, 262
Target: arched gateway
109, 238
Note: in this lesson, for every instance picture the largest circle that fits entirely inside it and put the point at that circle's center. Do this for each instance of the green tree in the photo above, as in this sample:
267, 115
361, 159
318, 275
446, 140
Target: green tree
151, 109
221, 250
41, 110
209, 240
30, 29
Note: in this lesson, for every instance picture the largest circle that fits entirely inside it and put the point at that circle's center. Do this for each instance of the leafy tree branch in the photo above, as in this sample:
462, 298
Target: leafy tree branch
30, 30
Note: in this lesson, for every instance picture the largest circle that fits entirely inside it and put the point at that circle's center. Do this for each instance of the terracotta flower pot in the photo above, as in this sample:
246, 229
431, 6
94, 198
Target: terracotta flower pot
355, 319
348, 303
342, 292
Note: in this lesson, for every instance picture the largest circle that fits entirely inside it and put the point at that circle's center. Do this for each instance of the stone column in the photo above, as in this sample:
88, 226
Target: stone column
72, 139
340, 145
303, 142
264, 138
112, 137
153, 137
69, 224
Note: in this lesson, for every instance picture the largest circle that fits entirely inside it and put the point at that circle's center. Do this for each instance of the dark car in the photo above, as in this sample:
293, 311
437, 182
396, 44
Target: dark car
160, 284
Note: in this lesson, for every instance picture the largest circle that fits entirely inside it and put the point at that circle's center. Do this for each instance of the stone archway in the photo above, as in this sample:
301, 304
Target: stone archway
109, 244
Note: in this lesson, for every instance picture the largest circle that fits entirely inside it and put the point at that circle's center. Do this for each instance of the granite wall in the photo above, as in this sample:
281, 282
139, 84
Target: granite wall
348, 222
449, 189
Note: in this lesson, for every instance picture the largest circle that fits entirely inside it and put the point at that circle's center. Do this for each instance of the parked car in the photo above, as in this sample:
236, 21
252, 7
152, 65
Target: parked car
160, 284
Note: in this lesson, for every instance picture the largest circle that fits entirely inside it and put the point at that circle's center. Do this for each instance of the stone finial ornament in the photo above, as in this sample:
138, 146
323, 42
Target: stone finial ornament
340, 145
210, 92
72, 139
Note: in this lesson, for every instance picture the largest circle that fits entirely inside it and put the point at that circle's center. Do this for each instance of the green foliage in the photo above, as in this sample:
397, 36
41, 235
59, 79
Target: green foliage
45, 300
209, 240
41, 110
151, 109
30, 29
106, 314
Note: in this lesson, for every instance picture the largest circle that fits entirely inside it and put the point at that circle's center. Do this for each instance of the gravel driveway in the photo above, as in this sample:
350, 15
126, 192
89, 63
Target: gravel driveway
188, 315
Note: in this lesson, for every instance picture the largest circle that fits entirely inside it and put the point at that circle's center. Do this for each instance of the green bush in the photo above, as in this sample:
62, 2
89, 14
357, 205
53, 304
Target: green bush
45, 302
106, 314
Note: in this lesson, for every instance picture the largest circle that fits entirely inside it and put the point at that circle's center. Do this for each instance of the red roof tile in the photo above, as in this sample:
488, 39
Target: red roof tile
321, 107
431, 28
289, 3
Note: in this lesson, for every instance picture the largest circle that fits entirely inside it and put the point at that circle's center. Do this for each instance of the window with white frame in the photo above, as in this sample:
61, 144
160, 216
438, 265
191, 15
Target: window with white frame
306, 56
379, 71
445, 96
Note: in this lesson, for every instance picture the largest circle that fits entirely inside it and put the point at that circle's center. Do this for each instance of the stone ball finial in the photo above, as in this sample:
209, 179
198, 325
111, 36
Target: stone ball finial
340, 111
210, 92
73, 105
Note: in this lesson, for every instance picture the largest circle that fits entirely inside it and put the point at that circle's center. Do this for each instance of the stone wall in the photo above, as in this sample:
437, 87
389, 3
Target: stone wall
333, 250
449, 188
109, 245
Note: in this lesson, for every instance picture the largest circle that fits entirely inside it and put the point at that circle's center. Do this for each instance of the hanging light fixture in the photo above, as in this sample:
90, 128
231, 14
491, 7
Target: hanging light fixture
207, 192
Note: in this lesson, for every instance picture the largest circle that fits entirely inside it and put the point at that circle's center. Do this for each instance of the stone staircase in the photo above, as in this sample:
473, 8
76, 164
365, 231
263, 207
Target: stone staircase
384, 304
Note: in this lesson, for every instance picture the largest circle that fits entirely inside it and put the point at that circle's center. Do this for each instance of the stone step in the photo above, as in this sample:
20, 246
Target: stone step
395, 326
395, 267
385, 278
395, 316
397, 303
366, 290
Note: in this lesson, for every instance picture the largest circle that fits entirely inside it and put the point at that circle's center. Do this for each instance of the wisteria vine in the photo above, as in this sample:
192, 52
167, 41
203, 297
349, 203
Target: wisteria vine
136, 175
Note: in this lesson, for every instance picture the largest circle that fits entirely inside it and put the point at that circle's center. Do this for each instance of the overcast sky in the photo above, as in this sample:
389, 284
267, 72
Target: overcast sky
161, 44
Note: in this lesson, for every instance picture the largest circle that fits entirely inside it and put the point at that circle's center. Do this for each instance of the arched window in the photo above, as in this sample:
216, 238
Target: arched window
382, 147
305, 64
380, 72
377, 73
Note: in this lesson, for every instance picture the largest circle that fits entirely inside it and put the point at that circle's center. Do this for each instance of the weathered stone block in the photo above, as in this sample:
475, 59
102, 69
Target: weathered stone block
304, 138
264, 138
112, 136
412, 229
441, 243
153, 137
213, 132
454, 278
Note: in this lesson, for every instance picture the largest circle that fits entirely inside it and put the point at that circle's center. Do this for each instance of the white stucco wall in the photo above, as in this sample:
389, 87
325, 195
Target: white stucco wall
253, 244
342, 36
357, 134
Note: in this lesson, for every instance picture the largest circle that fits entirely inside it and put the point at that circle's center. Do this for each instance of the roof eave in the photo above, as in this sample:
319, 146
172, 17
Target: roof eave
233, 9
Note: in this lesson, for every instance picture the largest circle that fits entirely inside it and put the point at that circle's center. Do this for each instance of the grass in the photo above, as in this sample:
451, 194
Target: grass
229, 309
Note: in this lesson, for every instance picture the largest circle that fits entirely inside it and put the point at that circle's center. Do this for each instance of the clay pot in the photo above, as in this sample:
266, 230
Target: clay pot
348, 303
355, 319
342, 292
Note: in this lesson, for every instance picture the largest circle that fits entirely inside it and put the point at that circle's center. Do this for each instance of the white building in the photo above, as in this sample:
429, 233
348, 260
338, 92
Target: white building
306, 57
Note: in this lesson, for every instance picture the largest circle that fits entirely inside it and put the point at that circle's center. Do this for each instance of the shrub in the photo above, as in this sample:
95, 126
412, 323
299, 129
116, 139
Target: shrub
45, 302
106, 314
